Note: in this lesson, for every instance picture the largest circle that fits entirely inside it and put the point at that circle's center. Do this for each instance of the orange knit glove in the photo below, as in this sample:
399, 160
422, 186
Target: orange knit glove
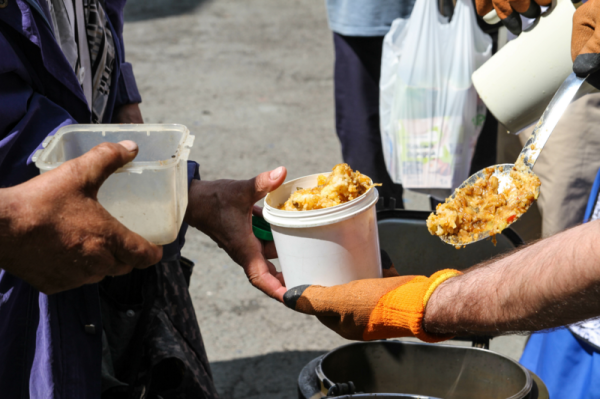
372, 309
508, 11
585, 40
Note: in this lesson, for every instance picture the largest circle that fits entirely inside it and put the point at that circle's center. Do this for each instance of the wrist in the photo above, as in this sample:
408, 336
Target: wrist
401, 311
435, 315
200, 199
127, 113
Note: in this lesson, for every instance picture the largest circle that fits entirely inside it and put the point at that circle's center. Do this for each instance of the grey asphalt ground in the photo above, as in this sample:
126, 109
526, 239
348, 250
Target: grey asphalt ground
253, 81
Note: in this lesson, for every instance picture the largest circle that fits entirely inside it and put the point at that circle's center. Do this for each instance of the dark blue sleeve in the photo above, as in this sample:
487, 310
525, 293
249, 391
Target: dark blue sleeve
26, 119
193, 172
172, 251
127, 91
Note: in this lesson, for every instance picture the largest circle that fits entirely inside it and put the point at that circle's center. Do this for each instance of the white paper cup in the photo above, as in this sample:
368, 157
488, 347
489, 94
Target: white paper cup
519, 81
328, 246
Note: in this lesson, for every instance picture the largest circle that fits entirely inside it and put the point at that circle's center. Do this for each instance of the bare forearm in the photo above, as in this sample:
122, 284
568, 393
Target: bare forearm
549, 284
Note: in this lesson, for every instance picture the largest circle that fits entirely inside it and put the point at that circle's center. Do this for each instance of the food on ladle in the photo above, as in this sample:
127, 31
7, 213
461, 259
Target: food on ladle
342, 185
481, 208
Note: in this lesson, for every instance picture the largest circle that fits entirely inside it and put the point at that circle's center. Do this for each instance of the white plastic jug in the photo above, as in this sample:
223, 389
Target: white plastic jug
518, 82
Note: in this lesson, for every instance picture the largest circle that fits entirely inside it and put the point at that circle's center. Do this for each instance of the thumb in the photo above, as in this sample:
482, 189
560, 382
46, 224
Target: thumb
97, 164
266, 182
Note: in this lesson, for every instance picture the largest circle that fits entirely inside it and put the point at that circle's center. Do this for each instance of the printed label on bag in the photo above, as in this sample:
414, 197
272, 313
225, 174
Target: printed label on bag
428, 150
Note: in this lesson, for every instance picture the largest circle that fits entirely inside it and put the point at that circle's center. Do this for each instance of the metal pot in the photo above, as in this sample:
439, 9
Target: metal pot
395, 369
414, 251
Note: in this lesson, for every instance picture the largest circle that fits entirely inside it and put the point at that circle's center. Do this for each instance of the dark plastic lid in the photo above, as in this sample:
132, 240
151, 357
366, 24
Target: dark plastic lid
261, 229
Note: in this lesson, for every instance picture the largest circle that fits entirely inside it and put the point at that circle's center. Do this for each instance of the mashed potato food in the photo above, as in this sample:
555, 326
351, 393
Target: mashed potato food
480, 207
341, 186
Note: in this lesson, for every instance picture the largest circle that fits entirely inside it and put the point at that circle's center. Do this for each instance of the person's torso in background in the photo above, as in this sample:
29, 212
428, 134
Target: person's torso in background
366, 17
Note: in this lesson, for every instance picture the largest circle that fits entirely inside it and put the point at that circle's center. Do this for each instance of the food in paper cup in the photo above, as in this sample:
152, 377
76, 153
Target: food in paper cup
326, 245
341, 186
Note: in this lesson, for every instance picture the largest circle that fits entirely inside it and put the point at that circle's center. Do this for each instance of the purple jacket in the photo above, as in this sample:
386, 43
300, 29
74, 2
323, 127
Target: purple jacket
46, 350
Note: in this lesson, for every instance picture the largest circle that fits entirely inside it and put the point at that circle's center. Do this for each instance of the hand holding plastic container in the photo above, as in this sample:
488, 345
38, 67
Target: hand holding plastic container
327, 246
149, 195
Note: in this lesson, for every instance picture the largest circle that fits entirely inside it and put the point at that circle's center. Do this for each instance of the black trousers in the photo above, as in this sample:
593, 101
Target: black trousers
356, 80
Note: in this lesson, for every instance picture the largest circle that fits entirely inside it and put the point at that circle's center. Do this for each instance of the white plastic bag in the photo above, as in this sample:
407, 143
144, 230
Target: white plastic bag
430, 127
390, 56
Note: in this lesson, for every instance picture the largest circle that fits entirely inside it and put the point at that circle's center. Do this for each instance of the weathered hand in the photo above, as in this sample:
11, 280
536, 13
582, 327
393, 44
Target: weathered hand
127, 113
223, 209
508, 11
54, 233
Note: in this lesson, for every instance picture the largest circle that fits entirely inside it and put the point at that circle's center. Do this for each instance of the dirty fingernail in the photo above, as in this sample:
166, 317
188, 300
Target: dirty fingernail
129, 145
274, 175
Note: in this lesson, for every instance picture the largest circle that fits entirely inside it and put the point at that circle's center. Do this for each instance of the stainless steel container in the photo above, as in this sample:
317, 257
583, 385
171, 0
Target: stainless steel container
398, 369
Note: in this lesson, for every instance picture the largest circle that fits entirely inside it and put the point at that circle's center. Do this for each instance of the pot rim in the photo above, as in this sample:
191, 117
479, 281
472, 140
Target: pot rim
520, 395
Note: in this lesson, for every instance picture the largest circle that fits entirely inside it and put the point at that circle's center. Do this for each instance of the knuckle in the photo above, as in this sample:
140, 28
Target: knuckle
45, 288
138, 261
137, 255
110, 152
109, 149
94, 245
95, 279
88, 269
94, 255
74, 242
253, 279
122, 269
261, 184
136, 252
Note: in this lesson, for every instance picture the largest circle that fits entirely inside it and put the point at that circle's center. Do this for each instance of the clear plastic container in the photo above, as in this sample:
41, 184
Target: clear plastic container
149, 195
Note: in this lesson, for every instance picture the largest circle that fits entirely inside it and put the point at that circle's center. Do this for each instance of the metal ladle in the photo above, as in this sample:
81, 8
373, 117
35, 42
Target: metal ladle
566, 93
